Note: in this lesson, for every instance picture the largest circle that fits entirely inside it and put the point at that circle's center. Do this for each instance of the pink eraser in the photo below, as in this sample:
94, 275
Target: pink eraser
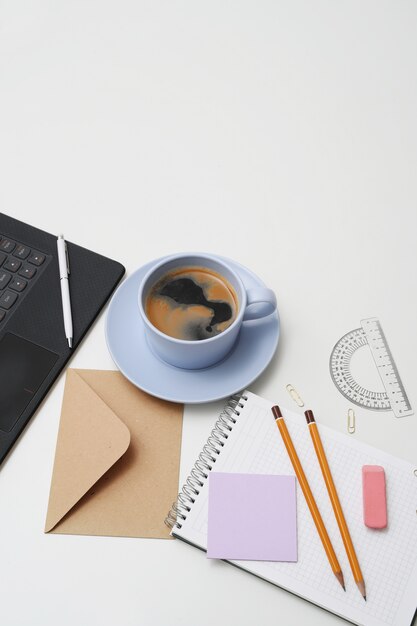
374, 496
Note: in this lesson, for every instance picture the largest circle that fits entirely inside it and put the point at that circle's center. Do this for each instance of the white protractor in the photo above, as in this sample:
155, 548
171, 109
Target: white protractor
370, 334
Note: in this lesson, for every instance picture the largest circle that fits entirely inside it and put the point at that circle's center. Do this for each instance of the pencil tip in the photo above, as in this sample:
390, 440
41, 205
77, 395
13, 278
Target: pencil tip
339, 576
361, 587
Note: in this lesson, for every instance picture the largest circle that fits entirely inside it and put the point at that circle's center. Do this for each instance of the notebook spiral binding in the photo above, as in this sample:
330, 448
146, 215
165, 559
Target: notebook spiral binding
206, 459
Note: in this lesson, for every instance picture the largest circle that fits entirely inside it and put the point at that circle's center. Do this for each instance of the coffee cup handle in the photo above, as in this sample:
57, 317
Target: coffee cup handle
261, 302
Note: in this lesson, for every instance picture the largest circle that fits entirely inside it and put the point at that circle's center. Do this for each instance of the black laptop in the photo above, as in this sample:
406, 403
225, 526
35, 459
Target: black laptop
33, 346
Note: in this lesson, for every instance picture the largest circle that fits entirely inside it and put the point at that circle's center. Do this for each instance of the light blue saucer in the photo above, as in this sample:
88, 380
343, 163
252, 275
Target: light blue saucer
254, 349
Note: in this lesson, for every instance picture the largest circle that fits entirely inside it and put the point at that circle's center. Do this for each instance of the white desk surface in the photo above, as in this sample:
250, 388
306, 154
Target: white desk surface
282, 134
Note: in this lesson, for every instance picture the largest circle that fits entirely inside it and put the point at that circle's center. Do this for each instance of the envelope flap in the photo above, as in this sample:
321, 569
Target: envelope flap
91, 439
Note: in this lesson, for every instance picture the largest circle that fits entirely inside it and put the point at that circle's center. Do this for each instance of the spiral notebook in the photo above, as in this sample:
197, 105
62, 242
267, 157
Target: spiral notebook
245, 439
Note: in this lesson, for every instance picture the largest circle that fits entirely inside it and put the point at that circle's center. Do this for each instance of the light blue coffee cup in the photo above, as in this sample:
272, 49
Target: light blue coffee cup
252, 304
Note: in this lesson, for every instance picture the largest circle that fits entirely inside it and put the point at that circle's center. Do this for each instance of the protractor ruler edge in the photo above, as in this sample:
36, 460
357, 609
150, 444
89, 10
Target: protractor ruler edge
394, 397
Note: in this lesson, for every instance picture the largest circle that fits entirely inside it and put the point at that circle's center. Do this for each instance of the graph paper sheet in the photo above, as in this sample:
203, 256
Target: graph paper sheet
388, 557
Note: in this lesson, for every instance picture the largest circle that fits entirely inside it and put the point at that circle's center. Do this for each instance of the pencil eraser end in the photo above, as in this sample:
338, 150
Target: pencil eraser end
374, 496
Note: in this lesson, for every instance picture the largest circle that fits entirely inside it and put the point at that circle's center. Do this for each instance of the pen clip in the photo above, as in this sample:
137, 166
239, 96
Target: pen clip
67, 259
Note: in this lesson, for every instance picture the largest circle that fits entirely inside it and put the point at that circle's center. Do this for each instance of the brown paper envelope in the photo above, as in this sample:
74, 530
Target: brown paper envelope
117, 459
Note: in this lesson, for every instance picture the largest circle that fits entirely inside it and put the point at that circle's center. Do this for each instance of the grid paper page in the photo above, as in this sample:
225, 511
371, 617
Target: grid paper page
388, 557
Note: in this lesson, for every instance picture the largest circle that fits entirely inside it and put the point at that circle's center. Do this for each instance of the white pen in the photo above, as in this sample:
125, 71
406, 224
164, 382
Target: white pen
65, 294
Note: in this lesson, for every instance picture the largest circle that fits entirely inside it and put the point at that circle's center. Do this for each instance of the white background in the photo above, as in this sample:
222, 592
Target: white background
282, 134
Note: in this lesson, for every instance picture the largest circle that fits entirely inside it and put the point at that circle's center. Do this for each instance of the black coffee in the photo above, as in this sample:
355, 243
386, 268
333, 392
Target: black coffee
192, 303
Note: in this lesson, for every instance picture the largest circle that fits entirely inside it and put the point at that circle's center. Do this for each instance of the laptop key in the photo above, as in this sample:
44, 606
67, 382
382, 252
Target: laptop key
18, 284
4, 279
27, 272
7, 245
22, 252
12, 264
7, 299
20, 266
36, 258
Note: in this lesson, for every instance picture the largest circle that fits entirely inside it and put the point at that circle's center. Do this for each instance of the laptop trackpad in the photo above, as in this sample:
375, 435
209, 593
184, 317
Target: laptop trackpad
23, 368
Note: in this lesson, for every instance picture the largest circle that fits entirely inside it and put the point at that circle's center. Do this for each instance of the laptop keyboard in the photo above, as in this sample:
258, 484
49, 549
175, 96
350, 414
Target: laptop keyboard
20, 267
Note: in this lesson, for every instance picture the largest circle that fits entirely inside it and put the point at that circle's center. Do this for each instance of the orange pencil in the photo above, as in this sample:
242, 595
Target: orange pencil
311, 503
337, 507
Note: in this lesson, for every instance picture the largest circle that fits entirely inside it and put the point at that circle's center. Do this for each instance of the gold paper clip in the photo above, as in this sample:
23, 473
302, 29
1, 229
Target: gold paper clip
351, 422
295, 395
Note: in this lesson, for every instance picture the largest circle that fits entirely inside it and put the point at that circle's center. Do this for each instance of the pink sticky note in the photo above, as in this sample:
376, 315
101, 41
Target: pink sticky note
374, 496
252, 517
